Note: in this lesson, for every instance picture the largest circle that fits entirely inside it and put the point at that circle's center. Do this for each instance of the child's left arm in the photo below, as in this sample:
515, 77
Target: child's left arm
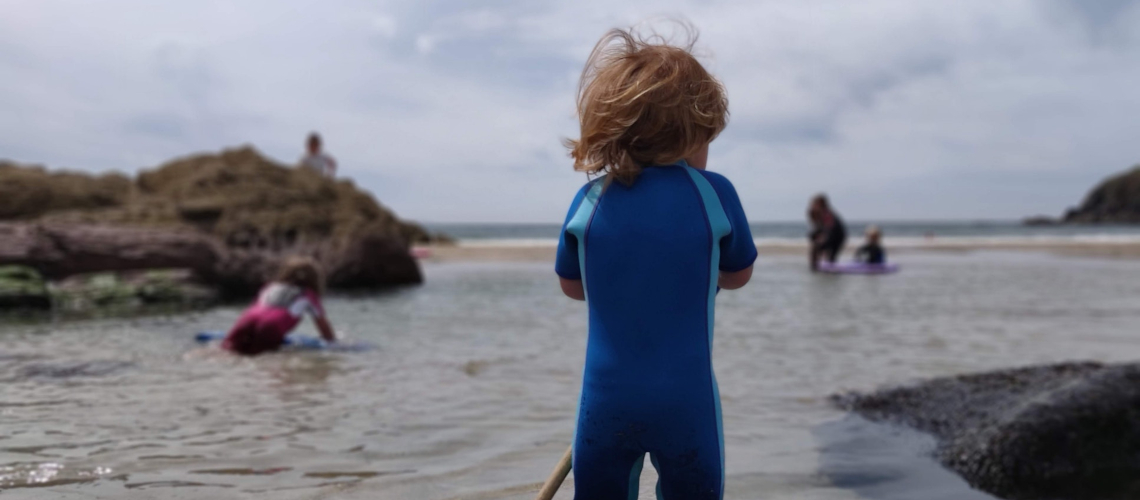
737, 249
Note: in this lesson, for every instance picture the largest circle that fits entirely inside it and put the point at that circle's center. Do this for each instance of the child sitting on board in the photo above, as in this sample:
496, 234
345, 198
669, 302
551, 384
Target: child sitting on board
872, 252
646, 245
279, 307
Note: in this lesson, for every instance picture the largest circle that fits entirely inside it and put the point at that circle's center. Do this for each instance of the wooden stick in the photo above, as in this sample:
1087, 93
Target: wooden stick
558, 476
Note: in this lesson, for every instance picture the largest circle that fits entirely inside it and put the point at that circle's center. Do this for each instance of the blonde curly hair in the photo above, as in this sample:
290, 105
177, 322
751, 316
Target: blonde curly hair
642, 102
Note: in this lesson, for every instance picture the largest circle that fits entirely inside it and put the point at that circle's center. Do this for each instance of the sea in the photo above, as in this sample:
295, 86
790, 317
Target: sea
904, 233
471, 390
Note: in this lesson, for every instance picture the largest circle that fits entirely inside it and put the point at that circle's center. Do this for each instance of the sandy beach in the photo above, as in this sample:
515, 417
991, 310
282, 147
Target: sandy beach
542, 251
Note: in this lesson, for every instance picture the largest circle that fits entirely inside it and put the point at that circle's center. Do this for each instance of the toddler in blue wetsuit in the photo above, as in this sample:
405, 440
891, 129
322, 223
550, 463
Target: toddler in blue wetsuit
647, 245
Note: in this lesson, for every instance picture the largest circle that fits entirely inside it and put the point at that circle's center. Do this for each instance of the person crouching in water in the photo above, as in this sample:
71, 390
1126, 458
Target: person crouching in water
649, 243
828, 234
282, 303
872, 251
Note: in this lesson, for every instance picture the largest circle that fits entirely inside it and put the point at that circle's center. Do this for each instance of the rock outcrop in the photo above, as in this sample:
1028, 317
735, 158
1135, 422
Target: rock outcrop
1114, 201
31, 191
228, 217
1067, 431
58, 251
238, 195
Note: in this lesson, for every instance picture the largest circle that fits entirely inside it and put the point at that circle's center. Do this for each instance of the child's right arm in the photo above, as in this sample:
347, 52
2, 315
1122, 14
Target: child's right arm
566, 263
317, 311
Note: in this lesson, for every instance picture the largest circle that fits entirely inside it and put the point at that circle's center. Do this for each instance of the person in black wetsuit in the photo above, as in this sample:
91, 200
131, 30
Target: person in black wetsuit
872, 251
828, 234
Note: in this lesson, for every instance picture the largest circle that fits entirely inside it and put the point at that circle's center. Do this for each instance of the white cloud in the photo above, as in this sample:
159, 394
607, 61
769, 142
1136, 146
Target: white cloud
450, 110
425, 43
384, 25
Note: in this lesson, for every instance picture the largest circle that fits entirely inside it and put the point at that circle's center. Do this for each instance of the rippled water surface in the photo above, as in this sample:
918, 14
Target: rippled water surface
471, 393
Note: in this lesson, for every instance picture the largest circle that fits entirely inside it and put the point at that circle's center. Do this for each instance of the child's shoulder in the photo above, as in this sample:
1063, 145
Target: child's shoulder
715, 178
585, 189
719, 182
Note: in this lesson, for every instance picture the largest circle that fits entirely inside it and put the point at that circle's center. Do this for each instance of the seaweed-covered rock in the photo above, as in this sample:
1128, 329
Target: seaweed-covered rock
1048, 432
173, 288
22, 287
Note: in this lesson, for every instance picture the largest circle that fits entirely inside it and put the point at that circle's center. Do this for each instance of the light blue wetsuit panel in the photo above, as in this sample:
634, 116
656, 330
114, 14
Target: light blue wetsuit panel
649, 255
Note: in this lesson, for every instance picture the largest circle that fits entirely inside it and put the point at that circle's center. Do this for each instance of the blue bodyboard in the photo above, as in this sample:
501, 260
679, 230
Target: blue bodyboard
294, 342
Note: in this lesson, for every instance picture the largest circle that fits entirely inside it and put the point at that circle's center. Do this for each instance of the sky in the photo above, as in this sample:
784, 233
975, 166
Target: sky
454, 111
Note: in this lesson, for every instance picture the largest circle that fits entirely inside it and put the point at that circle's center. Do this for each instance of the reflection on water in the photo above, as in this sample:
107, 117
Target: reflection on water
884, 462
471, 392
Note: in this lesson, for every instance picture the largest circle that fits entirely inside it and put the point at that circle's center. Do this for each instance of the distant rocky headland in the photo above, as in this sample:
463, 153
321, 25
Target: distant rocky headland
1116, 200
212, 225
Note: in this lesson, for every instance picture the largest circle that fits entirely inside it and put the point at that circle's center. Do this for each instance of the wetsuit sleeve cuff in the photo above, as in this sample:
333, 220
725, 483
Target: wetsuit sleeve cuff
742, 266
568, 275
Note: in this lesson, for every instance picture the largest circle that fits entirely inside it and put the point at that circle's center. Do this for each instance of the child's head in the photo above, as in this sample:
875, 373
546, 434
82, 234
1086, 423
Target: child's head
314, 143
819, 202
303, 272
643, 102
873, 234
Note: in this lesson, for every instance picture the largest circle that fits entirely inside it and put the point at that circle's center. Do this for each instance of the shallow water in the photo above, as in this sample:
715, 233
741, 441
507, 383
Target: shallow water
472, 392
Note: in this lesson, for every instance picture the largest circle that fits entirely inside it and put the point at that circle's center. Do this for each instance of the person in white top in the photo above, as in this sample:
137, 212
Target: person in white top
318, 160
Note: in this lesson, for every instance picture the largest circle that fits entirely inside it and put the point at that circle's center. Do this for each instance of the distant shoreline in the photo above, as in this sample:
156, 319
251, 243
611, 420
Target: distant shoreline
778, 233
543, 250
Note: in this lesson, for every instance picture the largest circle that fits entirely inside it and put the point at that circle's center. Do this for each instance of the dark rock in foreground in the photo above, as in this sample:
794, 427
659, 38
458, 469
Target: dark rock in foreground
1114, 201
1068, 431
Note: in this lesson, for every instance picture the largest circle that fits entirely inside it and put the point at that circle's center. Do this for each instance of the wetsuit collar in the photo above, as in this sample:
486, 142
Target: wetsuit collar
678, 163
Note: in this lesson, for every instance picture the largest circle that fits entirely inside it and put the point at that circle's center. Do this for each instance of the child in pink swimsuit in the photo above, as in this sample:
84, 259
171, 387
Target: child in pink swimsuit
279, 308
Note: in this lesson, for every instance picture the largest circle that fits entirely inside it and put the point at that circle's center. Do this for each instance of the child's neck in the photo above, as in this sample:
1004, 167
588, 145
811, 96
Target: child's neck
699, 159
694, 164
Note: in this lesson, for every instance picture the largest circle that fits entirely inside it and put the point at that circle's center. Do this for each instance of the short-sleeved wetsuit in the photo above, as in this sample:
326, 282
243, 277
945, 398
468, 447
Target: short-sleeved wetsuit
264, 325
871, 253
650, 255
